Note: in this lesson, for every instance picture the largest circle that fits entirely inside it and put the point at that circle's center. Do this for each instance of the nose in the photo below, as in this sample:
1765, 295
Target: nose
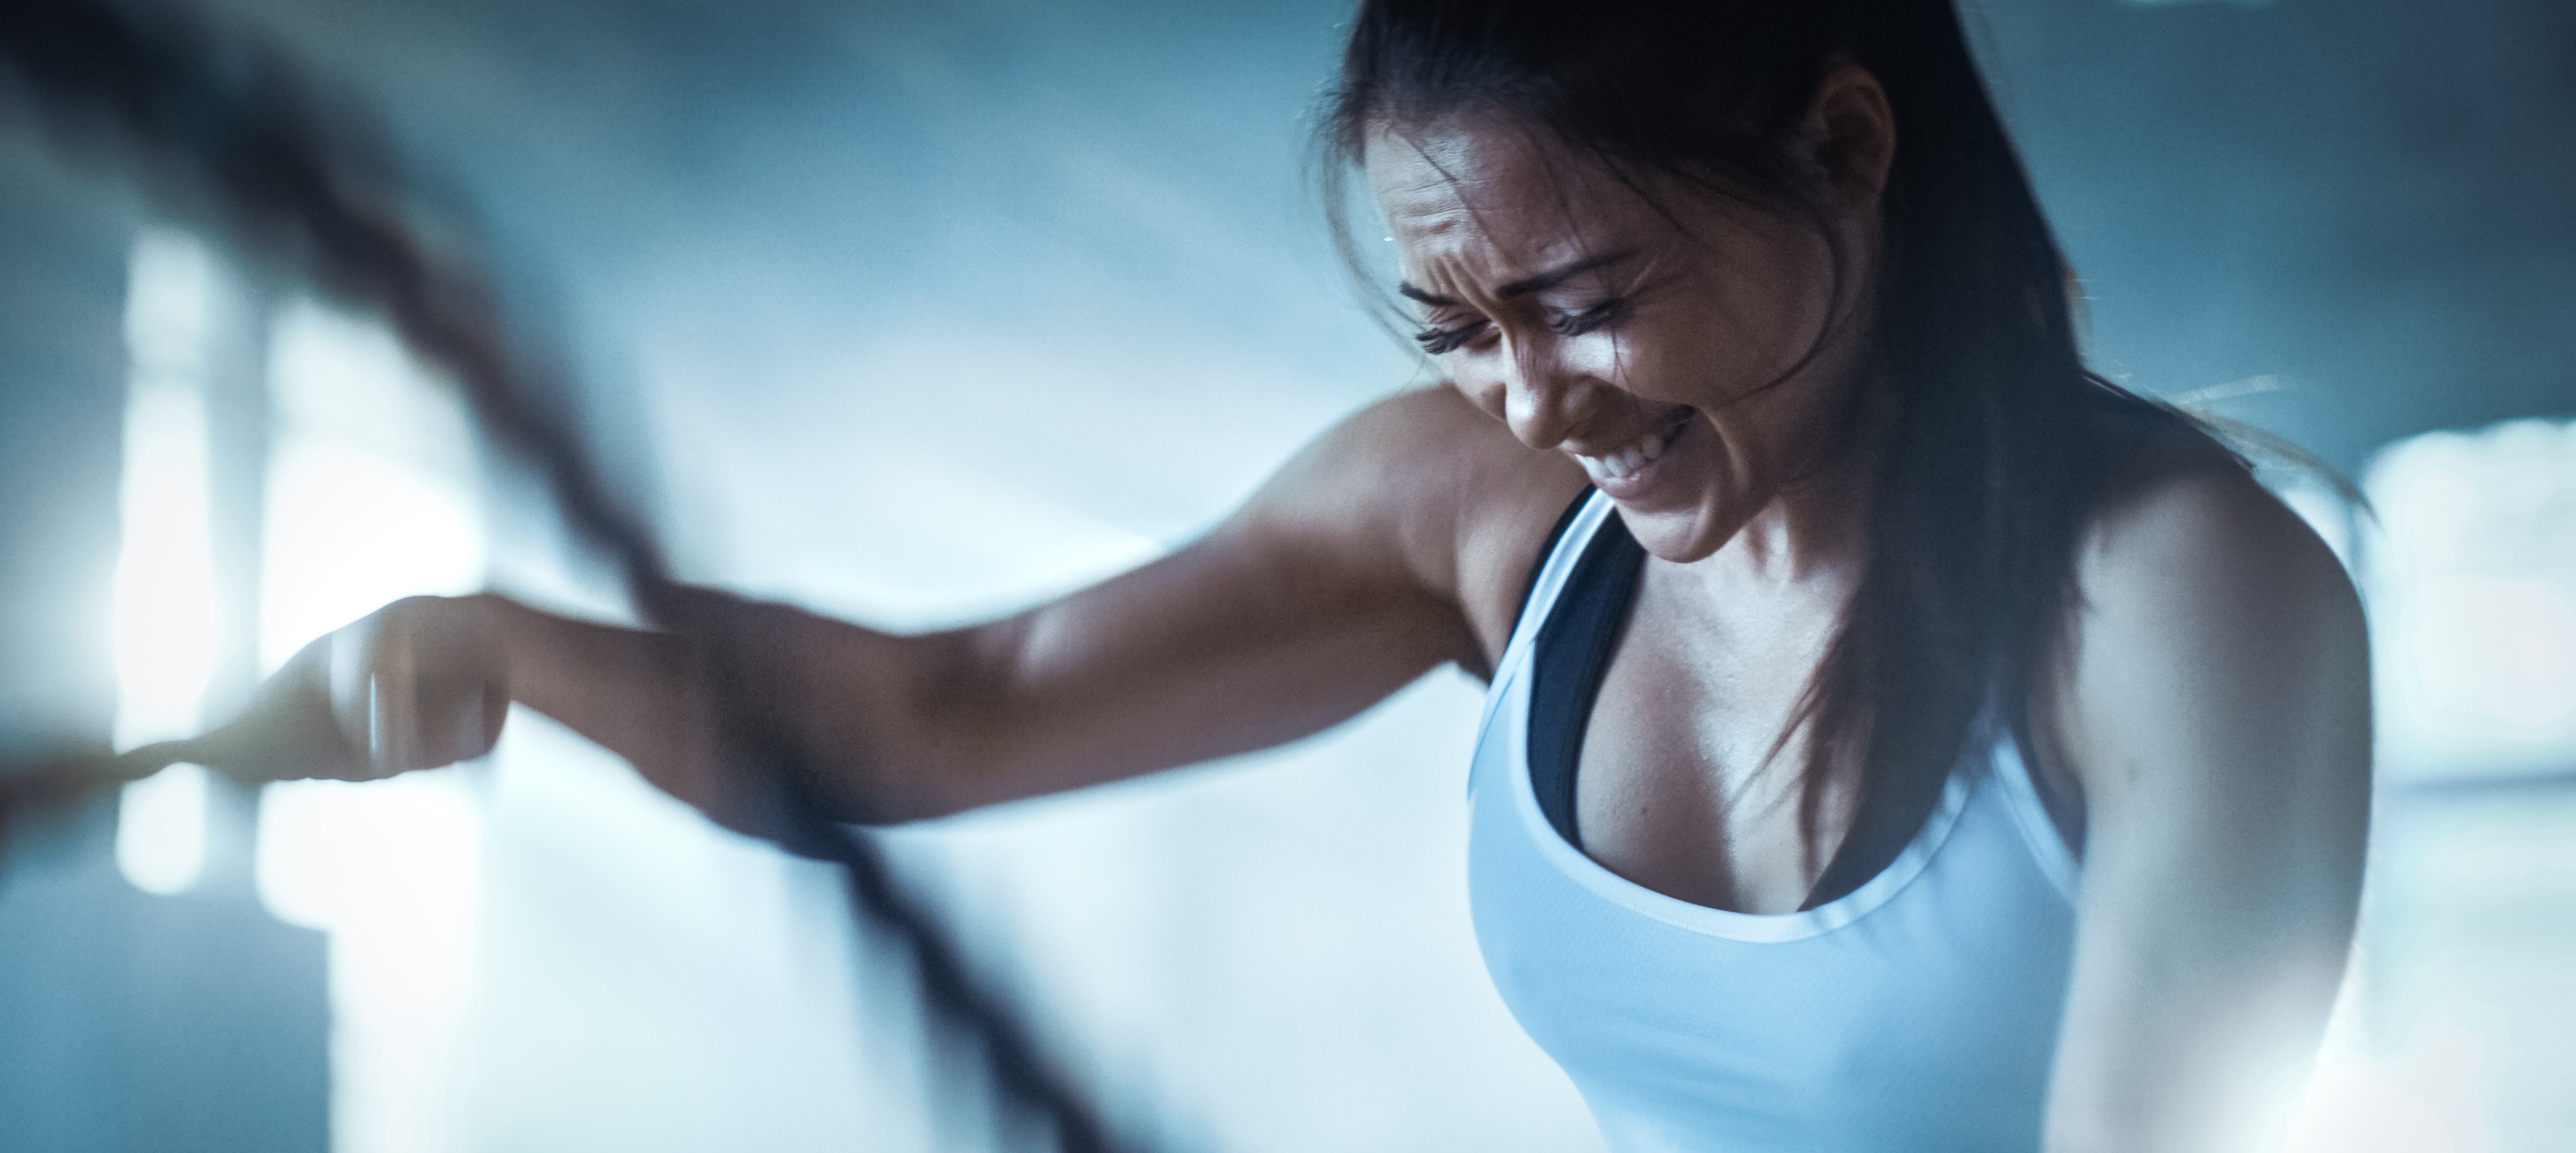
1525, 384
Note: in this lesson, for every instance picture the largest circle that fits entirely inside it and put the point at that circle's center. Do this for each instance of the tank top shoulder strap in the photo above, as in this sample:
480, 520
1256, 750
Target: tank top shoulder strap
1553, 570
1547, 550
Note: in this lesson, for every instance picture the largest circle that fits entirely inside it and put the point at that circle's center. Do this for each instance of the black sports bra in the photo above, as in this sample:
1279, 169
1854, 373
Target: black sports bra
1572, 654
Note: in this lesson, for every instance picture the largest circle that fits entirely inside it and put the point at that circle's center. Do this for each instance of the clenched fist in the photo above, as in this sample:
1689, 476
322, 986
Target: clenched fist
419, 683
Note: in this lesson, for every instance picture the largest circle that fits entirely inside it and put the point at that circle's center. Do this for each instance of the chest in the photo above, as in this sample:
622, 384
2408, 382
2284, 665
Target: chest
1690, 775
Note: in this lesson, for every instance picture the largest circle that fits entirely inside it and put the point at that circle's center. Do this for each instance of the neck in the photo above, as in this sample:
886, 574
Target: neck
1816, 526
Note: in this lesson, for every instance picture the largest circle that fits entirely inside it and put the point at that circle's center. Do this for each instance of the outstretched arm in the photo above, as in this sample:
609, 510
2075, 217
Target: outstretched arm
2213, 702
1334, 586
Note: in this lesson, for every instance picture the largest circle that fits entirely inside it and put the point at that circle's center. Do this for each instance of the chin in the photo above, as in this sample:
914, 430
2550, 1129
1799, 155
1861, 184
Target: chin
1681, 536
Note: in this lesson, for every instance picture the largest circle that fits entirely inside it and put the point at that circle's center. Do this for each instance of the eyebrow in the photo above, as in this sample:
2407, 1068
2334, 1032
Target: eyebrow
1527, 285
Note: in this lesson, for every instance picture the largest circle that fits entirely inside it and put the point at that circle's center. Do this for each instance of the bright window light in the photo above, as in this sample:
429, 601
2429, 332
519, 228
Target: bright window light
371, 498
2363, 1099
2497, 647
2473, 600
164, 587
165, 597
370, 481
161, 830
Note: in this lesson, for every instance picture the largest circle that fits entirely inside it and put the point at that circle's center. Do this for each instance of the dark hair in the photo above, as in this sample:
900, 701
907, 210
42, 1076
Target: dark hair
1993, 453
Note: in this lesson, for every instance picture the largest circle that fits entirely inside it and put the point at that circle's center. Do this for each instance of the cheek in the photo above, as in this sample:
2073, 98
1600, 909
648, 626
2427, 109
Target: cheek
1760, 305
1699, 364
1739, 345
1612, 357
1785, 297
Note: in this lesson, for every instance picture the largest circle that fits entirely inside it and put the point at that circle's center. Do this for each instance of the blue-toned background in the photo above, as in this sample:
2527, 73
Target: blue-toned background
916, 312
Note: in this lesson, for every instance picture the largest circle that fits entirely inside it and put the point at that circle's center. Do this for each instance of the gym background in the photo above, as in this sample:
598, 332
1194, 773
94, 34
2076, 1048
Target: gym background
915, 312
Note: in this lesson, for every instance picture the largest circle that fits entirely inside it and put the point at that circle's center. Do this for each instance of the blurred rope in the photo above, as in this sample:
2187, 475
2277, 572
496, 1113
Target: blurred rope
227, 131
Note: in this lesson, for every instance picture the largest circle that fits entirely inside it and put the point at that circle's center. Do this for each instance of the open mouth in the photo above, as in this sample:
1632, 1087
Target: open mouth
1626, 462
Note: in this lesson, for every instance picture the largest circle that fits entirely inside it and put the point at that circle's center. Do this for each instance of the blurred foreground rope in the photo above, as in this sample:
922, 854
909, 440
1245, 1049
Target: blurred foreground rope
225, 130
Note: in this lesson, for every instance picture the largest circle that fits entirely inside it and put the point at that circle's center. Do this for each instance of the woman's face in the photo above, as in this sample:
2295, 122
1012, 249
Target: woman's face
1677, 347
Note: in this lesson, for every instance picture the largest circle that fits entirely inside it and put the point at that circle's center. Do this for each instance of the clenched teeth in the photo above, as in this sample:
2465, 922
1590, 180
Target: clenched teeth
1627, 461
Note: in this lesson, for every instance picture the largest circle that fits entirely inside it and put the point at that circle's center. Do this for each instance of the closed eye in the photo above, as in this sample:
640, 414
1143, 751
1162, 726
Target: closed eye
1437, 341
1591, 319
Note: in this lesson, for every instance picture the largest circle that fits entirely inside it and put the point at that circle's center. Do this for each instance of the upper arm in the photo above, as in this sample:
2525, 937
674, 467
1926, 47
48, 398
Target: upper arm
2212, 700
1347, 575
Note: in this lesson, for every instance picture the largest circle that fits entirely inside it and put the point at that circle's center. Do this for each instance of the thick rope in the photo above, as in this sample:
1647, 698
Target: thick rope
225, 129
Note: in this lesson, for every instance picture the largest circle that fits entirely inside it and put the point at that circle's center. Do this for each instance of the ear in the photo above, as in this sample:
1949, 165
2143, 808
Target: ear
1849, 132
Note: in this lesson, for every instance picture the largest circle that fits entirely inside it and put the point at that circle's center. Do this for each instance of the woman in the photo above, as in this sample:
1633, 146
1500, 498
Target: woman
1867, 612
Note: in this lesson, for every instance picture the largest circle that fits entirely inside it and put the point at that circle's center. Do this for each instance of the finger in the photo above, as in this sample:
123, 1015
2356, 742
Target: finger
395, 735
379, 747
298, 725
475, 726
465, 737
351, 675
496, 712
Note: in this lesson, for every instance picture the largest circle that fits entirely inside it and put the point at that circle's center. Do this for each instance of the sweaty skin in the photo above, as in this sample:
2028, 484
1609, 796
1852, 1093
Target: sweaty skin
1721, 341
2203, 723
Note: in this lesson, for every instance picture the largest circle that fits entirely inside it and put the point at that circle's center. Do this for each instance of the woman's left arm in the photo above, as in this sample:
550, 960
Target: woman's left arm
2212, 700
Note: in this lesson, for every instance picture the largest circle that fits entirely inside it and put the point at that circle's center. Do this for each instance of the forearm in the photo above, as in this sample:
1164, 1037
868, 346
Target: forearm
857, 711
1250, 637
628, 691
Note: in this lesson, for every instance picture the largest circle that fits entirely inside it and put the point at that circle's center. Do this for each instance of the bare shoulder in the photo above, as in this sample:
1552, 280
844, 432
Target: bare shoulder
1424, 481
2182, 525
2210, 626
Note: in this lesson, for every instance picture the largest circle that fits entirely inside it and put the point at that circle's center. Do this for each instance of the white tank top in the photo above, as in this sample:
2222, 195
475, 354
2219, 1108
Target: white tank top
1917, 1013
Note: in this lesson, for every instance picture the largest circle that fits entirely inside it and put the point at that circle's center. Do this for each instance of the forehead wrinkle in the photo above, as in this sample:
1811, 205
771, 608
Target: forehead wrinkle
1432, 204
1461, 216
1441, 221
